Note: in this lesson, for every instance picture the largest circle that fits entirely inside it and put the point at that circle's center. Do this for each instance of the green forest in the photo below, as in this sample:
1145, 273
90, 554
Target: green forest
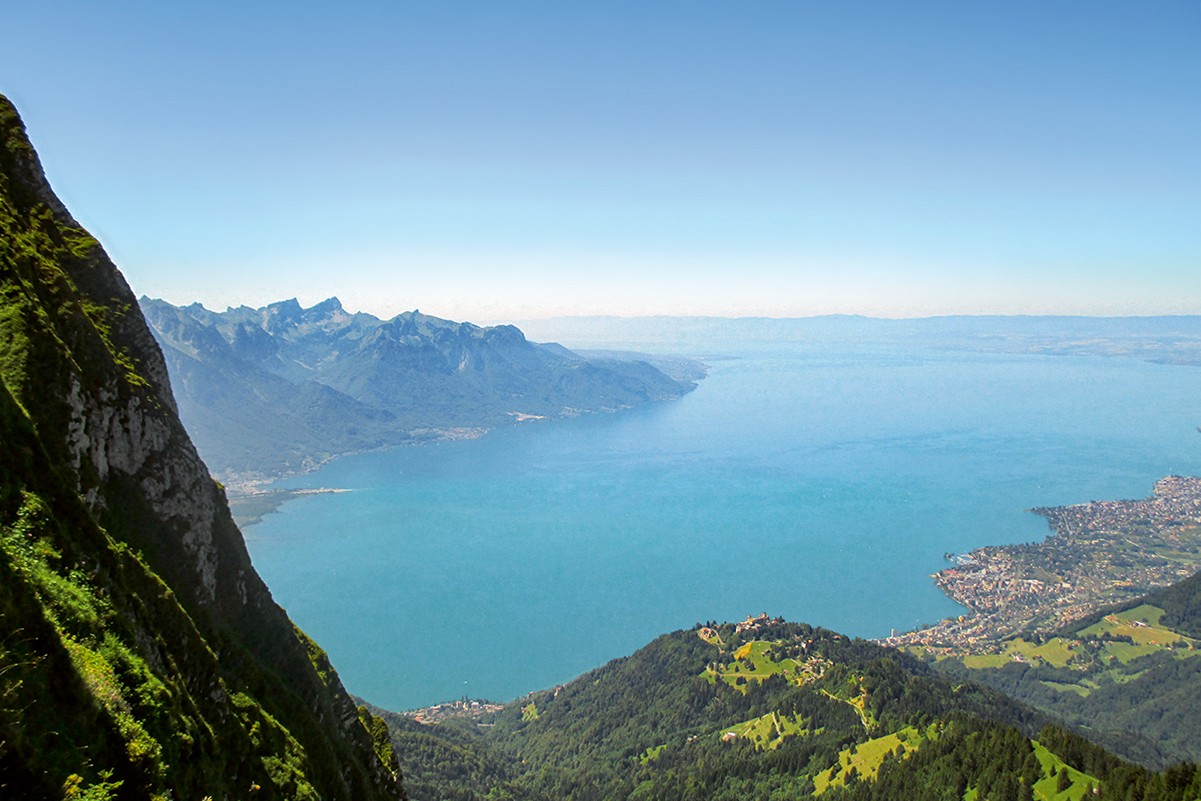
864, 722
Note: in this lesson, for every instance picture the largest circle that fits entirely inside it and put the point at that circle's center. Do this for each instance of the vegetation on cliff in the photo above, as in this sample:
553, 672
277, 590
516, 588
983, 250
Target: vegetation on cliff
140, 654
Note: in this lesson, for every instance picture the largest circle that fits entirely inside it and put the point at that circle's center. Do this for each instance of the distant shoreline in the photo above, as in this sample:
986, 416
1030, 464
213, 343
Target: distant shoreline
251, 507
1098, 554
242, 485
249, 502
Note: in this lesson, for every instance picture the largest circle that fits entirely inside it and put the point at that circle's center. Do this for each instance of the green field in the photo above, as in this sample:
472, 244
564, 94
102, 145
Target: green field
1056, 652
768, 731
1062, 686
1114, 641
865, 759
1125, 652
756, 661
1044, 789
1140, 624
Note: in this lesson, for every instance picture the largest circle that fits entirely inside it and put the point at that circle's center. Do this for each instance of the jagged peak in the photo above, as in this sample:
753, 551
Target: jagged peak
327, 306
281, 314
291, 305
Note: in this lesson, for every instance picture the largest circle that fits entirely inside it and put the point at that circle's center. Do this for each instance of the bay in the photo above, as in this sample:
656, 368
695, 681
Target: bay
818, 481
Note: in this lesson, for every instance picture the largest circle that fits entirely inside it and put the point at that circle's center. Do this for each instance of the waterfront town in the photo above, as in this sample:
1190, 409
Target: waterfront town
470, 708
1099, 554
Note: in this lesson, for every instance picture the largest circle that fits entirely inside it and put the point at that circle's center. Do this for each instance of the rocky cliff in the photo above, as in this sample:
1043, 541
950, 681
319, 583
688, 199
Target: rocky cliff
140, 653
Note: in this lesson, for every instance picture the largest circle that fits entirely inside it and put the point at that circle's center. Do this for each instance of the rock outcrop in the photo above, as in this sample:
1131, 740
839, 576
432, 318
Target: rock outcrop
139, 650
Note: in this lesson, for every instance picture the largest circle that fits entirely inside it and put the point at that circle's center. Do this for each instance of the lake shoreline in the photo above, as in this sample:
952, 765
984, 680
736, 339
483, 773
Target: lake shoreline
835, 480
251, 507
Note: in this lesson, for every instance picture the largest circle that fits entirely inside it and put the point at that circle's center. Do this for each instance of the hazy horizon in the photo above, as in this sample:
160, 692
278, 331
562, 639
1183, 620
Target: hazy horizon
530, 160
309, 304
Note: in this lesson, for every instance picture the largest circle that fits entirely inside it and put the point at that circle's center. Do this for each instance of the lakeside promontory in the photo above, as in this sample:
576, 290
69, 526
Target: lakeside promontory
1100, 554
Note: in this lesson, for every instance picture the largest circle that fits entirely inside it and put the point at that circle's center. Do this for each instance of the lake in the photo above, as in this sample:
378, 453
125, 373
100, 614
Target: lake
820, 481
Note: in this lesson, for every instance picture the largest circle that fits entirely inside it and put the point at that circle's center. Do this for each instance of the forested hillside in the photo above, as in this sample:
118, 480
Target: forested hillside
774, 710
1128, 676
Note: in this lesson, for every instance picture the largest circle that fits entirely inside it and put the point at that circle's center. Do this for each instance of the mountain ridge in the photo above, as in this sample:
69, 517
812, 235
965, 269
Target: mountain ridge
280, 388
142, 655
766, 709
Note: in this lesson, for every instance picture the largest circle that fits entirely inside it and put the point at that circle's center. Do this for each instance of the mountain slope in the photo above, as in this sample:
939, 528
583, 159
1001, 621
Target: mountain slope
767, 709
140, 654
248, 416
1127, 675
272, 390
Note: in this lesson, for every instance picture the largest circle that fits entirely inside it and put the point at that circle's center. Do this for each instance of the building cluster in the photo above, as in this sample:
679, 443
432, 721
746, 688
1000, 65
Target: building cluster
1101, 553
463, 708
756, 623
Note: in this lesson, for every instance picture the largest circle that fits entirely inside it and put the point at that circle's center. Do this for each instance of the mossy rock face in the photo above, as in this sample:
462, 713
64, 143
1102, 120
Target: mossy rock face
140, 655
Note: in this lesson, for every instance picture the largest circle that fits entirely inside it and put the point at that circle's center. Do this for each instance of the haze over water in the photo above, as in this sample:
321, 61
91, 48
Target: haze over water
818, 481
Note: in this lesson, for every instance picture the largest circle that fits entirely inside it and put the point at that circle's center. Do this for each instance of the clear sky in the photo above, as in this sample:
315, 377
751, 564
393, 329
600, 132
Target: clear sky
502, 159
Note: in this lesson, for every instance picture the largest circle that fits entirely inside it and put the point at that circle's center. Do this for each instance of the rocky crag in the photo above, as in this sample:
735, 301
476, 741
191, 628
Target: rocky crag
141, 656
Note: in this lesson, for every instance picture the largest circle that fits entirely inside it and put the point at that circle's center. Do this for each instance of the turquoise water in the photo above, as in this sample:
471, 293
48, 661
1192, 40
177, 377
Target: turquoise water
823, 484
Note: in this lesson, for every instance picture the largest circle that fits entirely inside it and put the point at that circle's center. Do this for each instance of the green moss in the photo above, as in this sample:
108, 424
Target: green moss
317, 655
40, 256
81, 244
381, 738
65, 589
109, 692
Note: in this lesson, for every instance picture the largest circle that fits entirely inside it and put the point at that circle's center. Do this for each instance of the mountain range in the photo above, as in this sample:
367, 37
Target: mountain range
281, 388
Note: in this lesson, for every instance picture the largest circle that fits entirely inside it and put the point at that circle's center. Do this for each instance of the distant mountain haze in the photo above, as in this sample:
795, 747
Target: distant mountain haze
281, 388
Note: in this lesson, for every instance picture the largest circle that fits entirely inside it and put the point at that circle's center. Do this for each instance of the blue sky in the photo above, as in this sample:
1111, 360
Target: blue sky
502, 159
